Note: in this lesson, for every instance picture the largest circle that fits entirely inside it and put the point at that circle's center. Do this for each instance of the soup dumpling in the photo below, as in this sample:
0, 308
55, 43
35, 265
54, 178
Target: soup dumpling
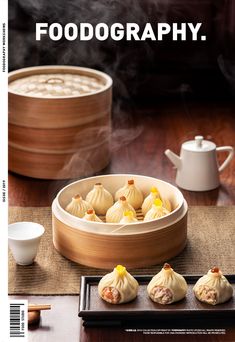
167, 286
128, 217
100, 199
156, 211
149, 200
213, 288
132, 193
115, 213
78, 206
118, 287
91, 216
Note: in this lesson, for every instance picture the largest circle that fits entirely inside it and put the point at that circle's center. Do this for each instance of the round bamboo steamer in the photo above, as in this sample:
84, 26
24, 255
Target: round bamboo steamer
50, 137
104, 245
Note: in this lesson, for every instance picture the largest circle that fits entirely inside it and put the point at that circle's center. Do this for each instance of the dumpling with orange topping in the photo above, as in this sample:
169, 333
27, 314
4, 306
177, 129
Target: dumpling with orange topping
118, 287
78, 206
100, 199
115, 213
167, 286
132, 193
213, 288
91, 216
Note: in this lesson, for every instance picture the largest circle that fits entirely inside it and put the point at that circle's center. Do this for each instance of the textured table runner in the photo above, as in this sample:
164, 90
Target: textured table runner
211, 241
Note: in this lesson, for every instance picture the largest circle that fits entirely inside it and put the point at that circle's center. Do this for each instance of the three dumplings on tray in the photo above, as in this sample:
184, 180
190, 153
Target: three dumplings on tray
166, 287
128, 199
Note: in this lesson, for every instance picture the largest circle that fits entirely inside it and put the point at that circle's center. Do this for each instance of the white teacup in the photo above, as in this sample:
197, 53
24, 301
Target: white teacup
24, 239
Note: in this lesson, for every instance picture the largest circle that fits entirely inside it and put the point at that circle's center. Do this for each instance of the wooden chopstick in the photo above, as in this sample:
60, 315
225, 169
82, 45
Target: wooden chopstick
37, 307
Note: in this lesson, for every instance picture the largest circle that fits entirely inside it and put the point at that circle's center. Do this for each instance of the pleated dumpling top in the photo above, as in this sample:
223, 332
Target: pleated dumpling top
100, 199
78, 206
132, 193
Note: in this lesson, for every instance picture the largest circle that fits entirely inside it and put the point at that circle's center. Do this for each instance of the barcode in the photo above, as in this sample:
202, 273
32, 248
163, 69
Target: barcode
18, 320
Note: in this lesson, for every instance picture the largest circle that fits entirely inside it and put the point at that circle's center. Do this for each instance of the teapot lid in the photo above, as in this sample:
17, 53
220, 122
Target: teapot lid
199, 145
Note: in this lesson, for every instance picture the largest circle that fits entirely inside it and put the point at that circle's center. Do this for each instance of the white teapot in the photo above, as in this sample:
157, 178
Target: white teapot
197, 166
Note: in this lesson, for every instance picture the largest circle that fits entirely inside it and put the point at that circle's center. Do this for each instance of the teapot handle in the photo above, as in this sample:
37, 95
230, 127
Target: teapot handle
230, 151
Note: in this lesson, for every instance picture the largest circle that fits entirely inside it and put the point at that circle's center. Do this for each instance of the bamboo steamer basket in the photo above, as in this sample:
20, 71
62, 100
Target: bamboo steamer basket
104, 245
60, 137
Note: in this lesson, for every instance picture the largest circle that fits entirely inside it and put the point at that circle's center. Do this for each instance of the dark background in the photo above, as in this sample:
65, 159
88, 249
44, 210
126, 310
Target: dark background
150, 71
140, 70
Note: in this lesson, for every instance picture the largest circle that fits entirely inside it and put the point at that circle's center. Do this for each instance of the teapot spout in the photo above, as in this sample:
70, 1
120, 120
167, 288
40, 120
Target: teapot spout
173, 158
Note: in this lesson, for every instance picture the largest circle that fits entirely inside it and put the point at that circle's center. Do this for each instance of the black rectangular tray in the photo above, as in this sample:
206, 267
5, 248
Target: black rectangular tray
142, 311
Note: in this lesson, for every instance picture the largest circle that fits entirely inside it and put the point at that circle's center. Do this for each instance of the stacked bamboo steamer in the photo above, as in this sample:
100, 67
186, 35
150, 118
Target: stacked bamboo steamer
59, 121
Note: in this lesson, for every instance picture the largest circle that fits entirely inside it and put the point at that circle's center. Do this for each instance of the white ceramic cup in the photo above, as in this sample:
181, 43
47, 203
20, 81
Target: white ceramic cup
24, 239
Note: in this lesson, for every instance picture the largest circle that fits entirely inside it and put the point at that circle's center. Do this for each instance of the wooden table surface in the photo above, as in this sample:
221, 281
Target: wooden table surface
139, 139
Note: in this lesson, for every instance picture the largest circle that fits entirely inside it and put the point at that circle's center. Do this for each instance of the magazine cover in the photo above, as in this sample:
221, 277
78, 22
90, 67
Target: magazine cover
118, 170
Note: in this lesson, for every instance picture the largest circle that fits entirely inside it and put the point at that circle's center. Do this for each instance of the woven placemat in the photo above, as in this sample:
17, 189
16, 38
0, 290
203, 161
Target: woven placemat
211, 241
